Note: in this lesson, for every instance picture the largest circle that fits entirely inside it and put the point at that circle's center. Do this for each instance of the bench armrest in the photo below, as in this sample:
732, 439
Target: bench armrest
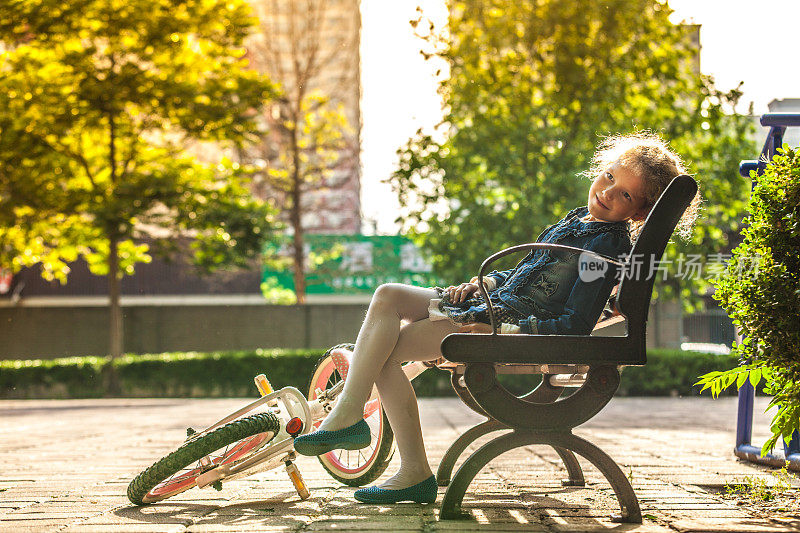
530, 246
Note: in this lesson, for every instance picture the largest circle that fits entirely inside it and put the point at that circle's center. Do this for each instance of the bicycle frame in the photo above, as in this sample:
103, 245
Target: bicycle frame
287, 403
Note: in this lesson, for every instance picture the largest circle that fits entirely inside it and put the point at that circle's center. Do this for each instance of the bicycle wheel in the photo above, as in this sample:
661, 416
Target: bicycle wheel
356, 467
178, 471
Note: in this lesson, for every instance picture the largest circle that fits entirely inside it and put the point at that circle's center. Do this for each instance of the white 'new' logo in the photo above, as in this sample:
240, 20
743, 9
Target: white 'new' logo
591, 268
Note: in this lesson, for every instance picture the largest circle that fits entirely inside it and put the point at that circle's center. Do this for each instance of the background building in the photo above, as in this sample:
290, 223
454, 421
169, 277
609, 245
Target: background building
311, 48
785, 105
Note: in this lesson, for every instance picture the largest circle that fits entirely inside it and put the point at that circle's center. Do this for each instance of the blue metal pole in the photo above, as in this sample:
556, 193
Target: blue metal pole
744, 418
792, 448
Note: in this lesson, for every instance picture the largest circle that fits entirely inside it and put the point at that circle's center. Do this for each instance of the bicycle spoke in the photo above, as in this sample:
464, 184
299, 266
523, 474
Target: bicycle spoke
177, 475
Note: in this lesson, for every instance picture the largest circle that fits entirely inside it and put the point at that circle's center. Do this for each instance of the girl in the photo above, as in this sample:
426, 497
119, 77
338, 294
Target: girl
543, 294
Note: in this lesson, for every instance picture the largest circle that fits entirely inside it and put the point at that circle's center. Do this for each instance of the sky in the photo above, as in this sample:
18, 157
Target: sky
755, 42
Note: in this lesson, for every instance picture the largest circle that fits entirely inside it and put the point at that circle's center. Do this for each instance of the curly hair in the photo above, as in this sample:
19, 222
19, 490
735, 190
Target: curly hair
651, 157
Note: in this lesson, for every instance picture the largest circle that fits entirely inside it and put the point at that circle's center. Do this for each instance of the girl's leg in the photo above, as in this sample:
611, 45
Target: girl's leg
391, 304
419, 341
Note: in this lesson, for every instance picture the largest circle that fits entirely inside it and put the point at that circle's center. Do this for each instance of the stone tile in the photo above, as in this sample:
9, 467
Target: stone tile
729, 525
254, 521
31, 525
124, 516
123, 528
472, 525
68, 508
580, 526
710, 514
6, 506
400, 510
56, 513
363, 523
223, 528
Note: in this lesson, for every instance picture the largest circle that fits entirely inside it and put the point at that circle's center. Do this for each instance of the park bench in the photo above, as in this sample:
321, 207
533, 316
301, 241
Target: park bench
590, 362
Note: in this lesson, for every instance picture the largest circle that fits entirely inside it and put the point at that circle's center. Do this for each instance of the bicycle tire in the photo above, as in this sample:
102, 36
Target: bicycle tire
192, 451
382, 449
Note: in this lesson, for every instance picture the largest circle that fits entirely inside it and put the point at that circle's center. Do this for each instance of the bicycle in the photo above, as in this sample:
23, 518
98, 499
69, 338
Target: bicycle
260, 436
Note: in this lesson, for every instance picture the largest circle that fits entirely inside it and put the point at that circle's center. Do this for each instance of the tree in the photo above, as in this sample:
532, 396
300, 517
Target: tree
714, 144
304, 46
99, 100
532, 87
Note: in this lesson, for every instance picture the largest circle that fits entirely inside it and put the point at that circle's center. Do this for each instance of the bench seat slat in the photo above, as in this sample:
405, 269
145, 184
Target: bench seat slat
542, 349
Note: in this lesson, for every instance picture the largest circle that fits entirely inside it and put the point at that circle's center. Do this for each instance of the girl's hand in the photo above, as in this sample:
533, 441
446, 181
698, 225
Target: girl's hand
462, 292
475, 327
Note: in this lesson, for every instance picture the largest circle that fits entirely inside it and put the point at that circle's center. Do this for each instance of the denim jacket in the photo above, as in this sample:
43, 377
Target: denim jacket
545, 286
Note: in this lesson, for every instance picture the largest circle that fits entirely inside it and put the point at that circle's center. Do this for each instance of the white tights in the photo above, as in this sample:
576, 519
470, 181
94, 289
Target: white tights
383, 344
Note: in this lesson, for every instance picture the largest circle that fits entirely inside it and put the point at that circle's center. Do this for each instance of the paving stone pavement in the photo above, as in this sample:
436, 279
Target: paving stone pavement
67, 464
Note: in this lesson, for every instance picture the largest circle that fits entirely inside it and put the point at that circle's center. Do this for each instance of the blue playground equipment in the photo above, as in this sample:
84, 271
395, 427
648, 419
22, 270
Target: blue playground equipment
777, 123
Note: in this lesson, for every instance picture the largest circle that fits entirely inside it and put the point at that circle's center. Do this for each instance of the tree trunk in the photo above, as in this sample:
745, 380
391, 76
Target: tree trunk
114, 306
115, 315
299, 259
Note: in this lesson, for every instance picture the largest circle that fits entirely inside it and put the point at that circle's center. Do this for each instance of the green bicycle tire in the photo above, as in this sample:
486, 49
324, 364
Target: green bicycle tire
198, 448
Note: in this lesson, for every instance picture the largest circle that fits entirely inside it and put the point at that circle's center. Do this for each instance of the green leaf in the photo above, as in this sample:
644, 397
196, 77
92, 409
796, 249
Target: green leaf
755, 376
741, 379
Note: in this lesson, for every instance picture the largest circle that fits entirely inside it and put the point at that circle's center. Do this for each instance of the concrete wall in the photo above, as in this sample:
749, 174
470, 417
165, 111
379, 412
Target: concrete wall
28, 332
48, 332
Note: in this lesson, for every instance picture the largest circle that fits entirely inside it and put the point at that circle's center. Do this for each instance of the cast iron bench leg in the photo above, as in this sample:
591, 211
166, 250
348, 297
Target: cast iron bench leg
455, 450
574, 470
448, 462
629, 505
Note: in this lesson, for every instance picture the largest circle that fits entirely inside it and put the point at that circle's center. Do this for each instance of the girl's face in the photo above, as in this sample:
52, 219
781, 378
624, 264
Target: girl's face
617, 194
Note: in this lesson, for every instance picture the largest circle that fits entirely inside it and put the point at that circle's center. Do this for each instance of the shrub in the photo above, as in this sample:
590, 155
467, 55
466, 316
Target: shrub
186, 374
671, 373
765, 302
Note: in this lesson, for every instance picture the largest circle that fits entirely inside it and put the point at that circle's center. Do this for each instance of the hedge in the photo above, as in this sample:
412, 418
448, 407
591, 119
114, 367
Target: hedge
230, 374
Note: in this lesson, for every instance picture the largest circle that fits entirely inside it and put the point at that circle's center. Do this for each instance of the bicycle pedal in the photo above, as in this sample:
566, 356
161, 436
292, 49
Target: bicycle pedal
297, 480
263, 385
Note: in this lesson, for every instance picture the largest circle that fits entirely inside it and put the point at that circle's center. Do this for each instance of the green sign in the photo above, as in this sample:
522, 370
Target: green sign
356, 264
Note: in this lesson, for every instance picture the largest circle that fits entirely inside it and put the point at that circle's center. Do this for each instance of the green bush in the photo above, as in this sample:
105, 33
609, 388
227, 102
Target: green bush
73, 377
671, 373
230, 374
189, 374
765, 303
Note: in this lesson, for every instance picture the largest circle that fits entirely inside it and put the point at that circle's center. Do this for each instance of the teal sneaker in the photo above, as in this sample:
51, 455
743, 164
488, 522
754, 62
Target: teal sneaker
423, 492
354, 437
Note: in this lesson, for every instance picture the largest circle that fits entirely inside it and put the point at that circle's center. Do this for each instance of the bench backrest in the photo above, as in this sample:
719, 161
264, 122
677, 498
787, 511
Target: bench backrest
636, 287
